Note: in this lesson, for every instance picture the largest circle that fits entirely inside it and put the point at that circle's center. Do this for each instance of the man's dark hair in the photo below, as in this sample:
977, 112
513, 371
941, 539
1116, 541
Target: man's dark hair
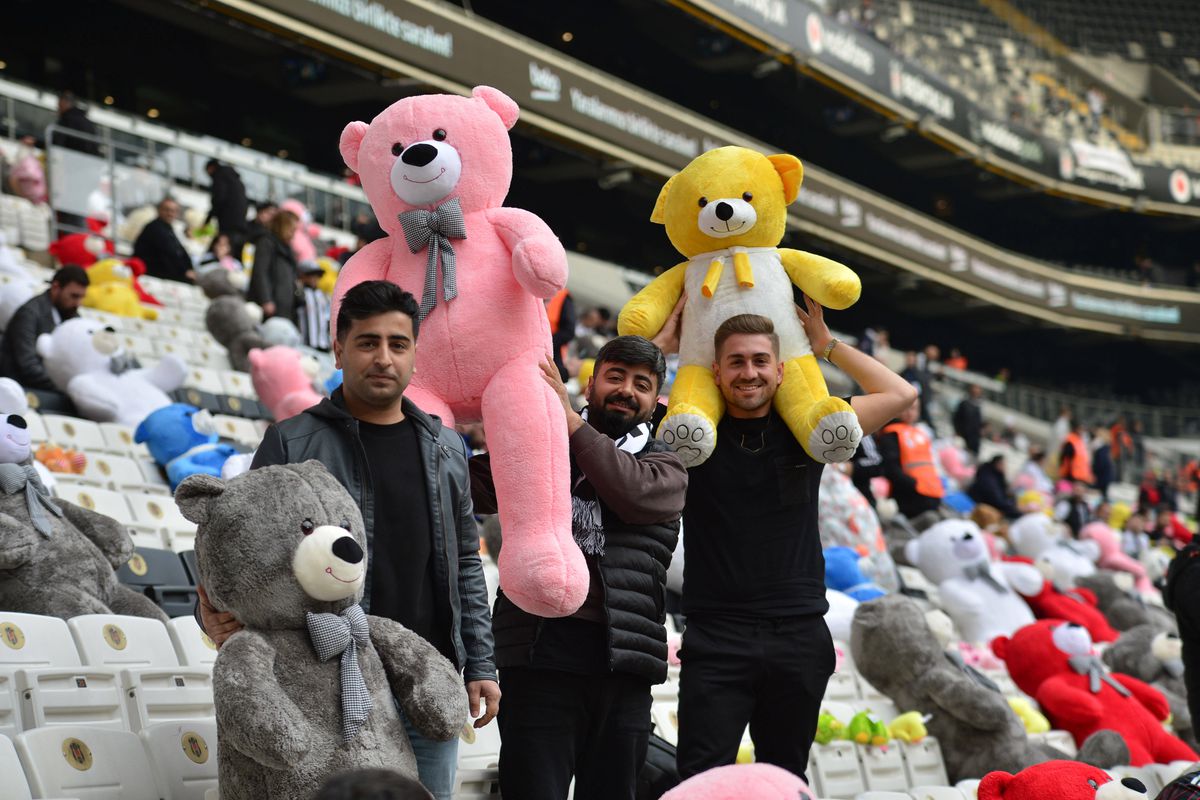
372, 298
70, 273
264, 205
634, 351
371, 784
212, 163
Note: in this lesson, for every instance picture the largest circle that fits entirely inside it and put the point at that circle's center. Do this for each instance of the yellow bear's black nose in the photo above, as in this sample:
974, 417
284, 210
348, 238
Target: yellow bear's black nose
724, 211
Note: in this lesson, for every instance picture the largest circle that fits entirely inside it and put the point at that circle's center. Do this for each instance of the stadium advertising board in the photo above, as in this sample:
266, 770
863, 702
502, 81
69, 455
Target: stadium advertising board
867, 67
568, 98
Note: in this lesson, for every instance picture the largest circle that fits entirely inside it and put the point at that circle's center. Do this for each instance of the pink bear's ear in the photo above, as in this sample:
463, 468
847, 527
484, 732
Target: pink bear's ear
256, 357
504, 106
351, 141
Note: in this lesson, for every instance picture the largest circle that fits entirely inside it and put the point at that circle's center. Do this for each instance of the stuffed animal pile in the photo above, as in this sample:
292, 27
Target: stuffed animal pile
726, 213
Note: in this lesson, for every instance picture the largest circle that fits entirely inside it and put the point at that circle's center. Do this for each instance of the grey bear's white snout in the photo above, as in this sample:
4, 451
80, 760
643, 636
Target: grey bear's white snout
330, 564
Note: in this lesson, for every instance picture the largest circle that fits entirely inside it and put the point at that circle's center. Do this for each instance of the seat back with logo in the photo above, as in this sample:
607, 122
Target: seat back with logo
85, 762
183, 756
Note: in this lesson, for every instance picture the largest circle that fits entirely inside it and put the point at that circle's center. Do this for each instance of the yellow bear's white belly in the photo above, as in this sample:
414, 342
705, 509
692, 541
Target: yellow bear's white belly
771, 297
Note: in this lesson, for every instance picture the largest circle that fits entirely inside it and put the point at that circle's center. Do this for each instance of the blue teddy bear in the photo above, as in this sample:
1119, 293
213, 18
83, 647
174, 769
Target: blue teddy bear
183, 439
843, 573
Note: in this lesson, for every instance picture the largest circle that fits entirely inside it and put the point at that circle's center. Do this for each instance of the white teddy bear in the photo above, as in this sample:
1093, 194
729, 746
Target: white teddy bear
1065, 560
84, 359
976, 593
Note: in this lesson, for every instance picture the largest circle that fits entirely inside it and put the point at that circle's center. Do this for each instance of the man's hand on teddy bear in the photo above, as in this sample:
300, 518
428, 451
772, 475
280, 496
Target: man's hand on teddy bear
219, 625
667, 339
489, 692
551, 376
812, 318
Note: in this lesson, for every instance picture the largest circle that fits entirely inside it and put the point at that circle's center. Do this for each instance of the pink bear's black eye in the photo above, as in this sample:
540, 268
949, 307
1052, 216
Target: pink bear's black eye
397, 149
440, 134
307, 527
747, 196
703, 202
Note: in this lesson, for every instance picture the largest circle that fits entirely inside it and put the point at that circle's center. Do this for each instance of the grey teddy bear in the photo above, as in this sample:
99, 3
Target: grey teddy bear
57, 558
1123, 609
1156, 657
234, 329
896, 652
306, 689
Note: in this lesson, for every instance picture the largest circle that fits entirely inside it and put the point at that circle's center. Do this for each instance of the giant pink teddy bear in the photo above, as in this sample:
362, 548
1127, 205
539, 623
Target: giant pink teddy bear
282, 382
1113, 557
481, 271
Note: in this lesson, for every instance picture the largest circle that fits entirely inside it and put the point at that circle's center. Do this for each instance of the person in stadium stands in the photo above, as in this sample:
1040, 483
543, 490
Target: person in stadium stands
1075, 457
915, 373
1034, 472
907, 454
257, 228
1073, 509
867, 463
220, 254
1122, 447
228, 203
968, 419
990, 487
754, 588
561, 310
72, 117
18, 349
160, 249
273, 279
314, 309
1061, 427
409, 475
956, 360
577, 689
1102, 464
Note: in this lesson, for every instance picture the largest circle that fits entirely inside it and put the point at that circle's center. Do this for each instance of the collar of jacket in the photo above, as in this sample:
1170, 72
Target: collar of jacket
334, 407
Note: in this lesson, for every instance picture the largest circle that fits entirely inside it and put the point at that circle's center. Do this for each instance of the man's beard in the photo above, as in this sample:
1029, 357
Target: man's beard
611, 423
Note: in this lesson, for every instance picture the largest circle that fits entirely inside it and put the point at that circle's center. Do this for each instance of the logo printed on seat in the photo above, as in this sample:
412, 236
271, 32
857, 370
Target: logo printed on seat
115, 637
11, 635
138, 565
77, 754
194, 747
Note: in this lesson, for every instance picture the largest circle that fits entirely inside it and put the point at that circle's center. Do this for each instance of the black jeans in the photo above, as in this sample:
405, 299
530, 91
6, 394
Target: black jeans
769, 674
557, 724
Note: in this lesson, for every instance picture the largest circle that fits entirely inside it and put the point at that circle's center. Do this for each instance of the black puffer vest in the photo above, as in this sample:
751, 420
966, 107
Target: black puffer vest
632, 574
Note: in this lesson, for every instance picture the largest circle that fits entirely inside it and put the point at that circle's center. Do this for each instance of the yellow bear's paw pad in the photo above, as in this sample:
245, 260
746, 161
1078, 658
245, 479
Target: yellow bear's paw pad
691, 436
835, 437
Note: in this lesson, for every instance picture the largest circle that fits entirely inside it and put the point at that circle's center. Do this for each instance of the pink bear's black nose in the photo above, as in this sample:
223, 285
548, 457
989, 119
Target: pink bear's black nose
419, 155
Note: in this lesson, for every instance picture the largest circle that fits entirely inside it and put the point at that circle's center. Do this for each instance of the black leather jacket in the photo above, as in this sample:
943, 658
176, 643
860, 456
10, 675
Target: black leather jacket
326, 432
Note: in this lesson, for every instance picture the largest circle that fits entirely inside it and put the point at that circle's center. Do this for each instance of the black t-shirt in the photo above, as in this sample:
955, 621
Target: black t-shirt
751, 542
402, 581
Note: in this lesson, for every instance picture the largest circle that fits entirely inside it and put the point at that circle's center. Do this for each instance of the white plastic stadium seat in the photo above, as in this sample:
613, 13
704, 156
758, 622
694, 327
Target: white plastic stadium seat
102, 501
192, 646
183, 756
31, 640
883, 768
156, 687
116, 472
882, 795
238, 429
665, 716
85, 762
160, 512
924, 763
10, 706
15, 785
837, 769
237, 383
479, 748
37, 428
842, 688
969, 788
206, 380
118, 438
1061, 740
80, 434
935, 793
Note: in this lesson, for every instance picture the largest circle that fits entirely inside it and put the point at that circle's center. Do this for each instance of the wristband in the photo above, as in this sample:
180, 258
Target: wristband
829, 349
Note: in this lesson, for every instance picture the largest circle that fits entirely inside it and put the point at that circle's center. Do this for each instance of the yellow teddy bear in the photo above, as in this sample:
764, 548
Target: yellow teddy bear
727, 212
110, 288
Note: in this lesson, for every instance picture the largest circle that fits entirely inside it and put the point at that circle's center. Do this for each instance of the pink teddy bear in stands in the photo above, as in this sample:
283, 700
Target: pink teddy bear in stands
1112, 557
436, 169
283, 378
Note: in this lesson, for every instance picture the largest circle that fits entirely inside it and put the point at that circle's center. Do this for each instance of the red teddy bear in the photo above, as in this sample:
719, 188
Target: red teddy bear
1077, 605
1063, 780
1053, 662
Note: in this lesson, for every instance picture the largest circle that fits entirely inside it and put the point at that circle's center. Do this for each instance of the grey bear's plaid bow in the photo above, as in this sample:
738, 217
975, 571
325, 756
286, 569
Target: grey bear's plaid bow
434, 230
23, 477
1093, 667
982, 572
341, 635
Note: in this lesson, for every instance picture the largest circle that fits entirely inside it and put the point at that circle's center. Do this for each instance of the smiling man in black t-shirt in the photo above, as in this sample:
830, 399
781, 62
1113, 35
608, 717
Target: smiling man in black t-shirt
756, 650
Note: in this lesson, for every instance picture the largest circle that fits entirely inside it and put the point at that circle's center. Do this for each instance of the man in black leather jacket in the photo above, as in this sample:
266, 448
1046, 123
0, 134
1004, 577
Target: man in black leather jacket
19, 359
409, 476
